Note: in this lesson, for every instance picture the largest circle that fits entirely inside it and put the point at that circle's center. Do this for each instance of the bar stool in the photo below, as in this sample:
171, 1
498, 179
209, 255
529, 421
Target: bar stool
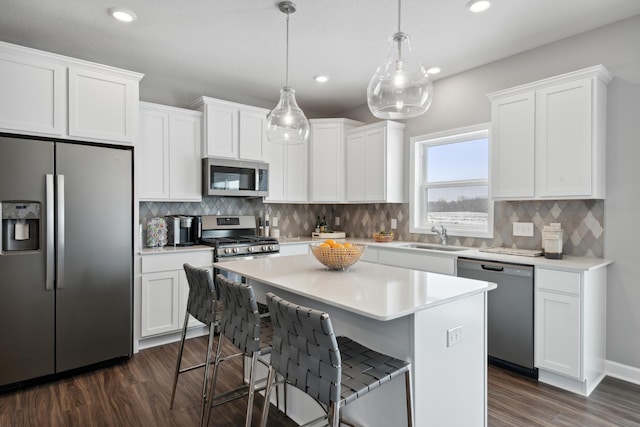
248, 330
202, 304
335, 371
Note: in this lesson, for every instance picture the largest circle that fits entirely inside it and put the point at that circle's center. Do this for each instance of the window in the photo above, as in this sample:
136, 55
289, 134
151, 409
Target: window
450, 182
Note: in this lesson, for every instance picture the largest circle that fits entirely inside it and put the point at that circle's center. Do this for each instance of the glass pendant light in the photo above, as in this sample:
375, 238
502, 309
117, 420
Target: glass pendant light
287, 123
401, 87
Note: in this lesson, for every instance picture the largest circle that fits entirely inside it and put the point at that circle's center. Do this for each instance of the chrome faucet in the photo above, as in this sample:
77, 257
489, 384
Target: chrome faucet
442, 232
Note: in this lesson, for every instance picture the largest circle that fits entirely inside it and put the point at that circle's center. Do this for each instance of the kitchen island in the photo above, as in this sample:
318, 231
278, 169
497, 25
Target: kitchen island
436, 322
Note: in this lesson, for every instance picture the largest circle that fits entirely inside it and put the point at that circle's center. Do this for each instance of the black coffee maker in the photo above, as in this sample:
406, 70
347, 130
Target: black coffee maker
183, 230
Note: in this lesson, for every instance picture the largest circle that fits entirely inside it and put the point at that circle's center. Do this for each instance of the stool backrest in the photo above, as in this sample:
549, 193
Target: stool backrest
202, 294
305, 350
240, 317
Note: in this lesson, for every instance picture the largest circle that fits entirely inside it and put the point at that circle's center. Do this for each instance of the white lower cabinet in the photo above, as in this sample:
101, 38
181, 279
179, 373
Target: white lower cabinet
165, 290
160, 308
570, 327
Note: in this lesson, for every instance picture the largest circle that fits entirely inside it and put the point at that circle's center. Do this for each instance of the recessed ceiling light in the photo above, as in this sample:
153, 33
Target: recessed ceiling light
122, 15
321, 78
478, 6
433, 70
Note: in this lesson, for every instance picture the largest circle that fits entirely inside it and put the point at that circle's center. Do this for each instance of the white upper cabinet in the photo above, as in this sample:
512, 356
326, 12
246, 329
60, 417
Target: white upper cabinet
168, 154
288, 172
52, 95
327, 159
374, 163
232, 130
512, 145
33, 98
101, 105
548, 139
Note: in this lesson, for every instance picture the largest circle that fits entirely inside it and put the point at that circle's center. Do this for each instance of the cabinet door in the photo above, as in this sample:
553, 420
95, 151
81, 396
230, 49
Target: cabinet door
275, 155
355, 168
296, 170
375, 166
160, 303
252, 134
558, 333
564, 140
512, 146
33, 95
152, 155
102, 106
185, 161
327, 163
221, 131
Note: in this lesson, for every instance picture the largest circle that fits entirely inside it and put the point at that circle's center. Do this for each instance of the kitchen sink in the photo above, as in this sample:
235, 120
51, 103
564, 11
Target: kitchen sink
431, 247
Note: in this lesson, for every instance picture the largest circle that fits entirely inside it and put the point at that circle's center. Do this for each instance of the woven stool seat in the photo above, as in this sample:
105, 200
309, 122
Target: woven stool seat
364, 370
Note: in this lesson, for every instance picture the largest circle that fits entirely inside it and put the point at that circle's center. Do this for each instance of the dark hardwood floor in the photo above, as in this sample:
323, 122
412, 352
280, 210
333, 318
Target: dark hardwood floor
137, 393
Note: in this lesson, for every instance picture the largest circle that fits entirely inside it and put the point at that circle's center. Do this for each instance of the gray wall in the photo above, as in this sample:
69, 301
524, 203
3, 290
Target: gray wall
460, 100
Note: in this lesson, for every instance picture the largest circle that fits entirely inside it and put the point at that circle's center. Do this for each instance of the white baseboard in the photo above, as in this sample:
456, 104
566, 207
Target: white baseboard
622, 372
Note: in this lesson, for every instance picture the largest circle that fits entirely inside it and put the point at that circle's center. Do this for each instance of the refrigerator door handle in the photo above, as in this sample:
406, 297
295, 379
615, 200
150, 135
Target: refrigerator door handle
60, 231
49, 243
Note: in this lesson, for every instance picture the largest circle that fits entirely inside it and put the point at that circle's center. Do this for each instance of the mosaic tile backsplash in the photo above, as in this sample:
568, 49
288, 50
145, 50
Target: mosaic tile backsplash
582, 220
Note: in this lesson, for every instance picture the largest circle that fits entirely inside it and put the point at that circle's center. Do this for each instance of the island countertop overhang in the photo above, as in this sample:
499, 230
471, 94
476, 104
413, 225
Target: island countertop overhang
373, 290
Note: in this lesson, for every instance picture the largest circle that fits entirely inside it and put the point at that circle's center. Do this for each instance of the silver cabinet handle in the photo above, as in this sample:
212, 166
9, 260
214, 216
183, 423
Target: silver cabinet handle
49, 242
60, 231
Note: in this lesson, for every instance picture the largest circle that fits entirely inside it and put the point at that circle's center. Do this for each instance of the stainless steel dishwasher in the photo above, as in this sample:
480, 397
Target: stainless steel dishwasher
509, 312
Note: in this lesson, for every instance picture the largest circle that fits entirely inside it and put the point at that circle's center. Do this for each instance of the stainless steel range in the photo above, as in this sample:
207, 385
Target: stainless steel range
234, 238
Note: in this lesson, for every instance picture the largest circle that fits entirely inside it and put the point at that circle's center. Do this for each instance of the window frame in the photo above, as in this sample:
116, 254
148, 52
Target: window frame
418, 203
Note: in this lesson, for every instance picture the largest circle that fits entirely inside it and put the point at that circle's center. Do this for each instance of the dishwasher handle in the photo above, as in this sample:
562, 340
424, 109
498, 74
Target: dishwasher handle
492, 267
473, 264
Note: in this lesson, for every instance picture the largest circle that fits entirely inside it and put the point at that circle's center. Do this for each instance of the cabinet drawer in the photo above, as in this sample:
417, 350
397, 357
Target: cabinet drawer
560, 281
174, 261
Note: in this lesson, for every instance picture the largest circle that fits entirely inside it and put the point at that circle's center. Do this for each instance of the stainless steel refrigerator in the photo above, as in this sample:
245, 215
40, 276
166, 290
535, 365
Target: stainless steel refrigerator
66, 256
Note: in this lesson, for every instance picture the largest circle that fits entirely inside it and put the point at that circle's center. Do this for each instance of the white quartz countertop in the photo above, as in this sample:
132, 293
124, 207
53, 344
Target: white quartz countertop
572, 263
175, 249
373, 290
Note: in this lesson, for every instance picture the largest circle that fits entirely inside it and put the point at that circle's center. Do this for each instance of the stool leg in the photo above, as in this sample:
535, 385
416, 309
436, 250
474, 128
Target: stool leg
334, 415
207, 364
407, 384
252, 386
267, 397
175, 377
204, 420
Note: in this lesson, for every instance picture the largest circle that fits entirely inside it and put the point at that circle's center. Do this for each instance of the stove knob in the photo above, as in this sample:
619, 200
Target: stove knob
227, 251
250, 249
235, 250
264, 248
270, 247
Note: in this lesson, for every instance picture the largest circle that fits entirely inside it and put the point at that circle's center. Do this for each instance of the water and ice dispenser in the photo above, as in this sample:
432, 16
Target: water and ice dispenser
20, 226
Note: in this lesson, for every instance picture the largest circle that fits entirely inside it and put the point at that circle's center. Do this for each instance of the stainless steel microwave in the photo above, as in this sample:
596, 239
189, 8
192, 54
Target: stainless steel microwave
236, 178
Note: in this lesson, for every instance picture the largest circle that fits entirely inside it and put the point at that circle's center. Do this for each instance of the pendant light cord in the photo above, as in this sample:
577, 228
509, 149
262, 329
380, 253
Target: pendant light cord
286, 74
398, 38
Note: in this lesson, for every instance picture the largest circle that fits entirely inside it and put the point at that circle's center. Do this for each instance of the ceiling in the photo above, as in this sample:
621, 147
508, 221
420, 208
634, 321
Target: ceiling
235, 49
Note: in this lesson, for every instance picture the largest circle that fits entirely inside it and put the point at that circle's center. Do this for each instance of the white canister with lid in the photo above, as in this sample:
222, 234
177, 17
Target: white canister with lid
552, 237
